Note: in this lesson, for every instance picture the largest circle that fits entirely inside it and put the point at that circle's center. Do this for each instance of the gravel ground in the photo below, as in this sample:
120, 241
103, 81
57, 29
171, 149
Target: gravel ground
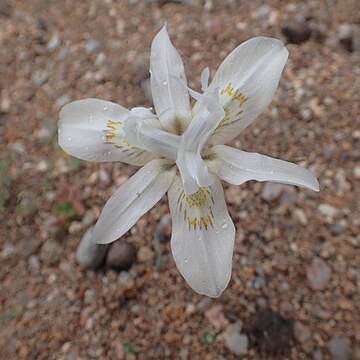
295, 288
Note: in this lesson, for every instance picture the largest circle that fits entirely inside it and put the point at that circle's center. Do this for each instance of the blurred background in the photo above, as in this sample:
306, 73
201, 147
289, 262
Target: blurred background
295, 287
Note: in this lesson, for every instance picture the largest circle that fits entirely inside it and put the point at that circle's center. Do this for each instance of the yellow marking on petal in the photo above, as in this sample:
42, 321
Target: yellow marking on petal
232, 101
229, 90
240, 98
111, 127
196, 209
198, 199
113, 137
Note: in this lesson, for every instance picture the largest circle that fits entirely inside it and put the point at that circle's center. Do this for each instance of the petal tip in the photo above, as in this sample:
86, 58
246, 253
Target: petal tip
316, 185
211, 291
98, 240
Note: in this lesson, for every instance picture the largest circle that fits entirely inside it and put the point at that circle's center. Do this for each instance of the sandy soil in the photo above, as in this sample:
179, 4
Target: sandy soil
288, 240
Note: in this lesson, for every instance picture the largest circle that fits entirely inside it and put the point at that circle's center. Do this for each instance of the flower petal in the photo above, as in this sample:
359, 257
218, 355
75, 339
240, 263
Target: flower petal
132, 200
168, 84
92, 130
148, 134
247, 80
193, 170
205, 75
202, 237
236, 167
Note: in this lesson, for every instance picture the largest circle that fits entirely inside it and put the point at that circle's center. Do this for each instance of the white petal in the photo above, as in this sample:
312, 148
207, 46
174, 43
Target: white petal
202, 238
247, 79
92, 130
193, 170
236, 167
136, 197
205, 75
168, 84
147, 133
159, 142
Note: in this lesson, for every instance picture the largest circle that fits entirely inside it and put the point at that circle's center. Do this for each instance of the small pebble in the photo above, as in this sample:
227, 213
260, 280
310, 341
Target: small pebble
100, 59
124, 278
216, 317
327, 210
318, 274
5, 104
28, 247
336, 229
318, 355
262, 11
301, 332
92, 45
51, 252
104, 177
300, 217
120, 256
89, 296
237, 343
289, 195
356, 172
62, 100
34, 263
40, 77
140, 67
145, 254
345, 36
18, 147
7, 251
296, 32
53, 43
271, 191
339, 348
215, 26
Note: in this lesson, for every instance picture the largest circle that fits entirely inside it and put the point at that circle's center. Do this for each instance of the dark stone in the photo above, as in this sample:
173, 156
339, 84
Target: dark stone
346, 34
336, 229
121, 256
29, 247
271, 332
140, 67
296, 32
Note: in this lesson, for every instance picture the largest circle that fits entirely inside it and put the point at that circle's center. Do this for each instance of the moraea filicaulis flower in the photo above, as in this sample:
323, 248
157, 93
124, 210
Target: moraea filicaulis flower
182, 152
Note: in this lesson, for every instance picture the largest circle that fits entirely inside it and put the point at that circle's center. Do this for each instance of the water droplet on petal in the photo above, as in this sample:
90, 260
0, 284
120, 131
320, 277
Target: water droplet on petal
105, 108
90, 118
224, 225
164, 82
186, 261
69, 139
86, 148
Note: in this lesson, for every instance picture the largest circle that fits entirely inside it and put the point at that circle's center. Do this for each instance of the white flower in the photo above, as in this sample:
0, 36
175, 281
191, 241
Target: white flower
182, 152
